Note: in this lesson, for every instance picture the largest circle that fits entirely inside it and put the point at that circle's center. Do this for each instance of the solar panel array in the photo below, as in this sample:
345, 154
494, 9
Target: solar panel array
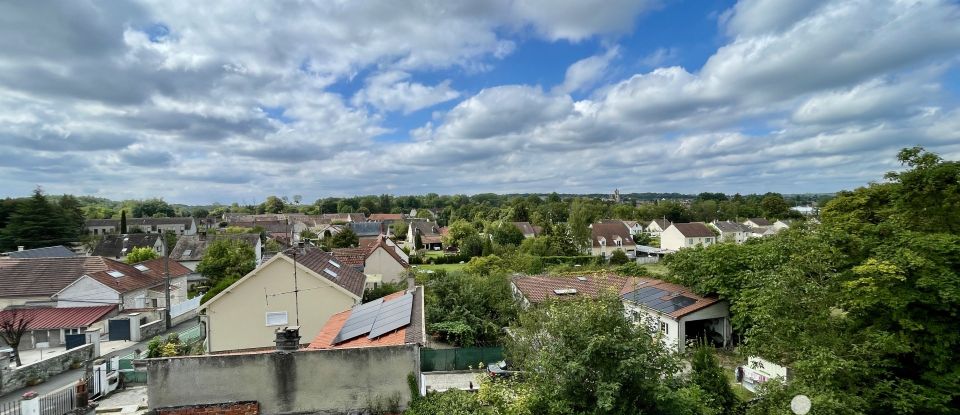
653, 298
376, 318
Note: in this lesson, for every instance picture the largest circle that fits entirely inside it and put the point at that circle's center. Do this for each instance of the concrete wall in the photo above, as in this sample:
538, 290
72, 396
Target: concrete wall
9, 301
18, 378
86, 291
315, 381
237, 320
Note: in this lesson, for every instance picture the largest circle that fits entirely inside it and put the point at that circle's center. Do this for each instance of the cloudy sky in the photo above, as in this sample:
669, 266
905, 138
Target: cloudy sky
227, 101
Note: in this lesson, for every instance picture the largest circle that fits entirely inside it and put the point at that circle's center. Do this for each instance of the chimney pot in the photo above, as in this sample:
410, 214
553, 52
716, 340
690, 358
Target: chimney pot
20, 247
288, 339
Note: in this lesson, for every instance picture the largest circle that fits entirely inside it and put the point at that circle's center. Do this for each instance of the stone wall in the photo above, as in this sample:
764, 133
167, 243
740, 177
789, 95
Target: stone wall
40, 371
314, 381
151, 329
228, 408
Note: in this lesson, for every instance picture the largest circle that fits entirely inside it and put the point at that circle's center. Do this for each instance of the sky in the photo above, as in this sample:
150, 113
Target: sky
222, 101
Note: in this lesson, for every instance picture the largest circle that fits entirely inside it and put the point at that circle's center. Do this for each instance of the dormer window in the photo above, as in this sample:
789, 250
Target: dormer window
603, 241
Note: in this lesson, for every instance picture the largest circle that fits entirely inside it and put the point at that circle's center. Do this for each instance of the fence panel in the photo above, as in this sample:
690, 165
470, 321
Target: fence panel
58, 403
458, 359
191, 335
179, 309
10, 408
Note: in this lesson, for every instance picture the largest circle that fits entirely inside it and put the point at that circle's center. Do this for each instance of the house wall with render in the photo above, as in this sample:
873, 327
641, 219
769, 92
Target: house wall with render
307, 381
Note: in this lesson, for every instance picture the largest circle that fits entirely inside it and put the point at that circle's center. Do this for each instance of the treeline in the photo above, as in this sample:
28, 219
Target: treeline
863, 308
37, 221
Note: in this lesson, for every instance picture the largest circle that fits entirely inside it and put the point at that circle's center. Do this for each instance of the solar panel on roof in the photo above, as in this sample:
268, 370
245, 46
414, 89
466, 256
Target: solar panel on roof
392, 316
360, 321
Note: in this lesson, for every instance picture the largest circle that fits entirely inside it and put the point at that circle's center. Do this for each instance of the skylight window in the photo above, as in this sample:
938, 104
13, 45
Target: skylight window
334, 263
582, 278
187, 252
330, 272
565, 291
115, 274
141, 267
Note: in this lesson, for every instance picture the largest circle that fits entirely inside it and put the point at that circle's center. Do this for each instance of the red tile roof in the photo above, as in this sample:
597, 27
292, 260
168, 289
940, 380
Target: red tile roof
539, 288
318, 261
391, 250
60, 318
43, 277
409, 334
355, 257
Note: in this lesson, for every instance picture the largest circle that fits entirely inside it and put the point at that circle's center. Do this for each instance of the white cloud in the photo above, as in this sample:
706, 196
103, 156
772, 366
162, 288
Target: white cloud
586, 72
393, 91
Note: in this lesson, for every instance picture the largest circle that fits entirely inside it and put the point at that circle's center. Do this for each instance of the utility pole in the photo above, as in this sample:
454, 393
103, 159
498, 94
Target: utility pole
166, 273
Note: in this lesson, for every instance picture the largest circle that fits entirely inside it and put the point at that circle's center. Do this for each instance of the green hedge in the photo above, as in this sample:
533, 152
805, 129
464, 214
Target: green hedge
570, 260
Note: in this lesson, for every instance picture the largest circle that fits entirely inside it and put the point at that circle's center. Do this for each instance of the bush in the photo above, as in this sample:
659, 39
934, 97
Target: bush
222, 285
619, 258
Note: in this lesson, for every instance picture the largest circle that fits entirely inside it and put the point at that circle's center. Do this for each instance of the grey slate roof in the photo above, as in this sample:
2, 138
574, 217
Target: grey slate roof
58, 251
728, 226
112, 246
366, 228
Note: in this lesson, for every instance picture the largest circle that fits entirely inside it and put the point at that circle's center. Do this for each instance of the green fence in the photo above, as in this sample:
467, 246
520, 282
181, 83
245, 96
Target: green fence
191, 335
465, 358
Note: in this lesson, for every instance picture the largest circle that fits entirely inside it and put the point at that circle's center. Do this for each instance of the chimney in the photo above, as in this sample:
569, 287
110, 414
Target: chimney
288, 339
20, 247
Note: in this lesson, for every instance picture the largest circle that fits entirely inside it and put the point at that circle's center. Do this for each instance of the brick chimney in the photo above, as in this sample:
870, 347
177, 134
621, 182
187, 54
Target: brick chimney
288, 339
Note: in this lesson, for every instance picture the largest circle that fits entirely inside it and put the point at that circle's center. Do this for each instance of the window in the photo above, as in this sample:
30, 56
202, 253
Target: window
689, 241
276, 318
154, 302
664, 328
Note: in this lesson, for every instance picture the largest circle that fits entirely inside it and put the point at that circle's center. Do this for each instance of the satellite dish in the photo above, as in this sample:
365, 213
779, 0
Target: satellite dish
800, 404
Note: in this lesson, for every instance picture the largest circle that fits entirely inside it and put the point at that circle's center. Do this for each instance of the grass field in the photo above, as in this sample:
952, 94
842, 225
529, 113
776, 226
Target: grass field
445, 267
657, 269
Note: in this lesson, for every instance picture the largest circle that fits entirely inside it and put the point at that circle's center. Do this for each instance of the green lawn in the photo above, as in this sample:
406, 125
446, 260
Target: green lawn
657, 269
433, 254
445, 267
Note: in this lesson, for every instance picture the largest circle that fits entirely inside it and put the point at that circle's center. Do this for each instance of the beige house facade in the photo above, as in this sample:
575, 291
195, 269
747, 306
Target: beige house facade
686, 235
279, 294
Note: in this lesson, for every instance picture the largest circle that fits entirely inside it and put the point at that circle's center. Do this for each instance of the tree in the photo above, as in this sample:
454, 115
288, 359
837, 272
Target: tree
123, 222
707, 373
227, 259
346, 238
584, 356
505, 233
273, 204
37, 223
200, 213
458, 231
465, 308
618, 257
774, 206
13, 325
140, 254
417, 240
152, 208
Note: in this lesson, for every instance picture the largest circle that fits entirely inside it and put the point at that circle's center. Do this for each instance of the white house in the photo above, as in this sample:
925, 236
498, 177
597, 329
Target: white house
757, 223
612, 236
142, 285
383, 264
758, 371
731, 231
782, 224
686, 235
657, 226
805, 210
680, 316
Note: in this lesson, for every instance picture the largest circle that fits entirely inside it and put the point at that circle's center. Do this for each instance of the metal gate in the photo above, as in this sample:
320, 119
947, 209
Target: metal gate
10, 408
58, 403
75, 340
119, 329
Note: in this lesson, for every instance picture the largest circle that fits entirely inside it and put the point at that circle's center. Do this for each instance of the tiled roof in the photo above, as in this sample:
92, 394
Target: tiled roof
186, 222
539, 288
125, 277
113, 245
609, 231
317, 261
385, 216
192, 247
662, 223
760, 221
43, 277
412, 333
391, 250
694, 230
102, 222
426, 228
351, 256
155, 268
60, 318
672, 291
47, 252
